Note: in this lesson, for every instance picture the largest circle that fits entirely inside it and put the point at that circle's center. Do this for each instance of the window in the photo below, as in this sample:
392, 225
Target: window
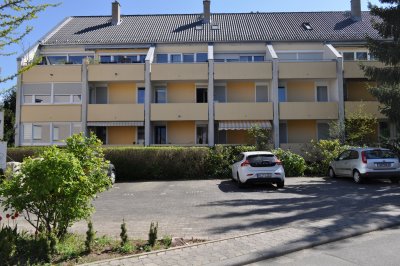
287, 56
219, 94
140, 96
76, 128
37, 132
42, 99
384, 130
160, 95
307, 26
322, 93
105, 59
282, 94
160, 135
56, 133
176, 58
140, 135
142, 58
27, 128
311, 56
283, 133
261, 94
323, 131
100, 132
353, 155
62, 98
202, 136
101, 95
362, 55
259, 58
57, 60
76, 98
344, 155
348, 56
201, 95
28, 98
246, 58
78, 59
162, 58
202, 57
188, 58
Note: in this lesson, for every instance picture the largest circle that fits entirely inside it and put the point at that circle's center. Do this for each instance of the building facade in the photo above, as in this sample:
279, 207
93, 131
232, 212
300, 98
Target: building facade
197, 79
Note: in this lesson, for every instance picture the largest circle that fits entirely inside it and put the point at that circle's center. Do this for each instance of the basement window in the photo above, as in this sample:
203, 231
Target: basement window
307, 26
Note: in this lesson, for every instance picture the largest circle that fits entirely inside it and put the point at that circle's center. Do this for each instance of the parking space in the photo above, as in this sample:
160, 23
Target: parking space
213, 209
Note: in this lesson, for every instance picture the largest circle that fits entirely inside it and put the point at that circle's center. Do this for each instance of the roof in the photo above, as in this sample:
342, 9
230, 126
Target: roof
233, 27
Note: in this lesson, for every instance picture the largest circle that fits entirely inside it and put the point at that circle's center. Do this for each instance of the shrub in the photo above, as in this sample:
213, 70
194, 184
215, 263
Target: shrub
262, 137
90, 235
153, 234
294, 164
318, 155
58, 188
167, 241
124, 234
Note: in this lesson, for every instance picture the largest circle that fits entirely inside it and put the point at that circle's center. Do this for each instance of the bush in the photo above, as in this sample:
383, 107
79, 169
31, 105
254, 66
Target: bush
90, 235
19, 154
318, 155
294, 164
153, 234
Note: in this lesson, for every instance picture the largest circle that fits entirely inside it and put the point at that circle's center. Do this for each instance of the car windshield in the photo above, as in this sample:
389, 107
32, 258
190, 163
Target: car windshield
380, 154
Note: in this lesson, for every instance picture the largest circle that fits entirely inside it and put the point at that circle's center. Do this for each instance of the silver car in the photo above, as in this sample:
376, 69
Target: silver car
366, 163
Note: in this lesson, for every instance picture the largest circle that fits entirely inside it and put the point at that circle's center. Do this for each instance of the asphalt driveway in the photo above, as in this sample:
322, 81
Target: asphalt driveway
213, 209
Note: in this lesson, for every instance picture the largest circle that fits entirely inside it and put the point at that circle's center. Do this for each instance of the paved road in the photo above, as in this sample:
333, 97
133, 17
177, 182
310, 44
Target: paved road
378, 248
214, 209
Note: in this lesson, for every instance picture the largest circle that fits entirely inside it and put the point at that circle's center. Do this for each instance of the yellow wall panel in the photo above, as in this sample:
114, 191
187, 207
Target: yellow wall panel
181, 93
239, 92
300, 91
122, 93
302, 131
121, 135
358, 91
181, 132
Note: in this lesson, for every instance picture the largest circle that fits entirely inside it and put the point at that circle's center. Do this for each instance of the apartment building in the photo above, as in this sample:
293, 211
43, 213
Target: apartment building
197, 79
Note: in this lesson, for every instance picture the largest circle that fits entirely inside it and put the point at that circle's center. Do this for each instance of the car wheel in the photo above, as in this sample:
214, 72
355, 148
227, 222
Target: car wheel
112, 177
331, 173
240, 184
357, 177
280, 184
394, 180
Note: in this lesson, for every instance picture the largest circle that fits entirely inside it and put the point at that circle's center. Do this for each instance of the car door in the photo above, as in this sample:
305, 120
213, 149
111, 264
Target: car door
341, 162
350, 163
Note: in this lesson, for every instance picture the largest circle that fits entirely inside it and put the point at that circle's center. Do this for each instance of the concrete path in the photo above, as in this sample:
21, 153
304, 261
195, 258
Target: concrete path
250, 248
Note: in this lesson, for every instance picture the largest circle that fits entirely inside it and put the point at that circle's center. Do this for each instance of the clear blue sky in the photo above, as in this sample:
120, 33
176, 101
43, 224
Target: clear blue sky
48, 19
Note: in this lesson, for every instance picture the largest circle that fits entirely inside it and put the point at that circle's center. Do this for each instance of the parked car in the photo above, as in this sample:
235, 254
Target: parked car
366, 163
258, 167
112, 173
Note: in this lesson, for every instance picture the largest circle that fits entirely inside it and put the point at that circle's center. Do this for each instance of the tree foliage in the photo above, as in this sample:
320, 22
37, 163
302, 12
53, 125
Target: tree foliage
56, 189
13, 16
8, 107
262, 137
387, 51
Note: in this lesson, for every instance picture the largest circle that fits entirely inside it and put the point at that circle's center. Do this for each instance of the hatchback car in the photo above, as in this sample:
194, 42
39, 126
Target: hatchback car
258, 167
366, 163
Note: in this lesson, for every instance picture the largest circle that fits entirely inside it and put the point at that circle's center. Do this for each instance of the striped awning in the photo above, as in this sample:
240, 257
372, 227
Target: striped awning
116, 124
243, 125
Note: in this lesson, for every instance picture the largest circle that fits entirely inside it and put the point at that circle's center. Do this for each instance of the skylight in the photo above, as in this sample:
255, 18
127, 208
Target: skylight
215, 27
307, 26
199, 27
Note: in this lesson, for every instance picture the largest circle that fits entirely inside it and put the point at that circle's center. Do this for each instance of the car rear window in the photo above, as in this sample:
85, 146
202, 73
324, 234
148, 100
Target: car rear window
261, 160
380, 154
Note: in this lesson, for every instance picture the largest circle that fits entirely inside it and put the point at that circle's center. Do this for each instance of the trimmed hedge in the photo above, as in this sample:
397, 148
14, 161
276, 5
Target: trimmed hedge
174, 163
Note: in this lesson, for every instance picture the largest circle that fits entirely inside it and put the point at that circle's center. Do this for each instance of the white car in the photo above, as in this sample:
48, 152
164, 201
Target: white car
258, 167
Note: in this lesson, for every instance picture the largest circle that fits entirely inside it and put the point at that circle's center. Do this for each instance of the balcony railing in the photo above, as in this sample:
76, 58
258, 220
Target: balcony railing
53, 73
116, 72
243, 70
115, 112
179, 112
179, 71
244, 111
370, 107
308, 110
304, 69
352, 69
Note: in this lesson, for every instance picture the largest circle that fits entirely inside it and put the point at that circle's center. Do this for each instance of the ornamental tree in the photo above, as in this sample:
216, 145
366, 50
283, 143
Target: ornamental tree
387, 51
56, 190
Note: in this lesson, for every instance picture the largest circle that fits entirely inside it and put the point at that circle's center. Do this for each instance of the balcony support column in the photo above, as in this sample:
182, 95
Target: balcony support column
17, 139
271, 54
340, 86
147, 96
85, 97
210, 95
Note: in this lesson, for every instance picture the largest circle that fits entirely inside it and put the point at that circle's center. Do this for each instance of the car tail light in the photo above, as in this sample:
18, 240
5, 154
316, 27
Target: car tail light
278, 162
364, 157
245, 163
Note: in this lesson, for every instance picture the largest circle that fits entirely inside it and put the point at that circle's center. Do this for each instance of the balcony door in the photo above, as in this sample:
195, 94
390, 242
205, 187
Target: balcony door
160, 95
201, 95
219, 94
98, 95
160, 135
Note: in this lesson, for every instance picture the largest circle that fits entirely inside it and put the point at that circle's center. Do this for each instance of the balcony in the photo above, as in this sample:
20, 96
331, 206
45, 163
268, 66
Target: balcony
116, 72
308, 110
51, 113
371, 108
244, 111
115, 112
305, 70
53, 73
352, 68
243, 71
179, 112
179, 71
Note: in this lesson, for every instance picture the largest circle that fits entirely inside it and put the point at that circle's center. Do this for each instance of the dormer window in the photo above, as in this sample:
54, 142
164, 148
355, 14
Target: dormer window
307, 26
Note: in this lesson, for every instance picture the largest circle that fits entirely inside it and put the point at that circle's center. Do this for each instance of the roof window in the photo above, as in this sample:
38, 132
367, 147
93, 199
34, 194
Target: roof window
307, 26
215, 27
199, 27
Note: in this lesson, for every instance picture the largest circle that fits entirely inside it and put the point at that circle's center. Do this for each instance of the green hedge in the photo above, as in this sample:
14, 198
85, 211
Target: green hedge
175, 163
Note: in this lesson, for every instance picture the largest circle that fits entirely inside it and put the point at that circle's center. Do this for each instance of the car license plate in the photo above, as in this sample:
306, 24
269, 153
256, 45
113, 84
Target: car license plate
383, 164
264, 175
